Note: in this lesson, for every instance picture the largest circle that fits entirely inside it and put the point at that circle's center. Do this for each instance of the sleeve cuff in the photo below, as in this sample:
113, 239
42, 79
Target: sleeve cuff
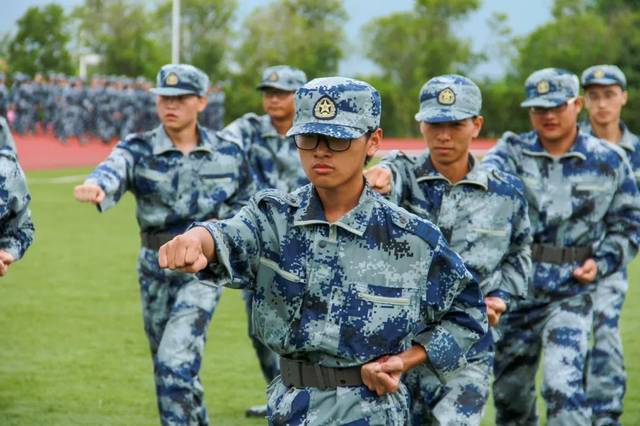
444, 356
218, 273
108, 201
501, 294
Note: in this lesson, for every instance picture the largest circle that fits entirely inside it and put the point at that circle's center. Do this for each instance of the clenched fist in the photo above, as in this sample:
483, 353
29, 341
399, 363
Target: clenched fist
189, 252
89, 193
379, 178
495, 308
6, 259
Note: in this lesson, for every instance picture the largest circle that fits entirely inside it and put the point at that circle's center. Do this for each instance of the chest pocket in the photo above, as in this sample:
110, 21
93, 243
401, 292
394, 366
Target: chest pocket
276, 302
379, 319
591, 199
151, 183
217, 183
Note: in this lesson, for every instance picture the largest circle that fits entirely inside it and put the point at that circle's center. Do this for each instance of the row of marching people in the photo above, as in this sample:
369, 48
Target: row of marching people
398, 308
102, 107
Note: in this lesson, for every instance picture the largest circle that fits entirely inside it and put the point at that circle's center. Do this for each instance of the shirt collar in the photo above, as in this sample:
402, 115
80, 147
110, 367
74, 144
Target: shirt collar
475, 176
266, 128
628, 138
162, 143
577, 150
355, 221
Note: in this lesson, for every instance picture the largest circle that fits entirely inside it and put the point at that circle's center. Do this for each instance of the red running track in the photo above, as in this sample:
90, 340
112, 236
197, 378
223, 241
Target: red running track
44, 151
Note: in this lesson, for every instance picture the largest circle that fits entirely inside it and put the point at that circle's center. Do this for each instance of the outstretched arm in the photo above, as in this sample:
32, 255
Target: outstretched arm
189, 252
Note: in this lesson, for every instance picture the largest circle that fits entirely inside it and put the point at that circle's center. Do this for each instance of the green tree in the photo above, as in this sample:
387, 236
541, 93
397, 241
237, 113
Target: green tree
122, 32
306, 34
411, 47
573, 42
40, 43
576, 38
205, 32
609, 7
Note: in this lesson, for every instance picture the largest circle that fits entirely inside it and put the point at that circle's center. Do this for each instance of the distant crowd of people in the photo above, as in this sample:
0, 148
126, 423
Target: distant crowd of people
104, 107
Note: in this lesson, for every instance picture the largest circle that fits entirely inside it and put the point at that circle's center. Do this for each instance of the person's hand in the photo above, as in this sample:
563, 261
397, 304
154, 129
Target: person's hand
383, 375
379, 178
88, 193
189, 252
6, 259
587, 272
495, 308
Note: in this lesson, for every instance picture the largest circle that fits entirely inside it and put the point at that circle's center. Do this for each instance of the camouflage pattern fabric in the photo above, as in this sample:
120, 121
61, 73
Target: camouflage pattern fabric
274, 159
607, 378
484, 219
172, 190
342, 294
558, 333
16, 227
585, 197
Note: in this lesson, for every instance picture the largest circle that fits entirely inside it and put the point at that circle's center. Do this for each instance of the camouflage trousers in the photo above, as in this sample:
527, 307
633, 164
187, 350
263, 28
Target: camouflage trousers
559, 331
269, 360
353, 406
606, 379
177, 309
458, 402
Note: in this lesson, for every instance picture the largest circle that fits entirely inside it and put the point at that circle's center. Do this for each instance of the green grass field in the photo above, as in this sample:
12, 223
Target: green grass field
72, 348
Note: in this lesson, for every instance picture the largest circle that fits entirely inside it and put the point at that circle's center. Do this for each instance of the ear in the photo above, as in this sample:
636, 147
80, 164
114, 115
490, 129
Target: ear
625, 96
374, 142
202, 103
477, 125
579, 104
423, 130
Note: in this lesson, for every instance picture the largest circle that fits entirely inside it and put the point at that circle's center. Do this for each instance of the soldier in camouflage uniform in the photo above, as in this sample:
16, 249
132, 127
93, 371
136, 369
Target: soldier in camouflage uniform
75, 108
178, 173
213, 114
351, 290
23, 102
585, 216
275, 164
16, 228
273, 155
482, 215
605, 89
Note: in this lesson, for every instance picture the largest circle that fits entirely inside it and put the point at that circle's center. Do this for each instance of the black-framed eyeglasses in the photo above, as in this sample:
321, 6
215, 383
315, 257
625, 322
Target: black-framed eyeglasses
309, 142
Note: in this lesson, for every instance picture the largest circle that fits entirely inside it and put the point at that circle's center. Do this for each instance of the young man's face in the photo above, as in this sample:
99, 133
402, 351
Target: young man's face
328, 169
449, 142
556, 124
279, 104
604, 103
179, 112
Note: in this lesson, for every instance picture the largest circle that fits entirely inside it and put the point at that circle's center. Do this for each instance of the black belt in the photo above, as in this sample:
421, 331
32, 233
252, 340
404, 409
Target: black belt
559, 255
303, 374
153, 241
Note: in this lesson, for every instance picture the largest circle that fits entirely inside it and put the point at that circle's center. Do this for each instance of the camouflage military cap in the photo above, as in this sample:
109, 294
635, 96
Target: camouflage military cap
449, 97
181, 79
606, 75
336, 106
550, 87
282, 77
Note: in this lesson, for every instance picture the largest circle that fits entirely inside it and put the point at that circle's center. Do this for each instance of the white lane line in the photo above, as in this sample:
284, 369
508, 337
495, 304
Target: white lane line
57, 180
